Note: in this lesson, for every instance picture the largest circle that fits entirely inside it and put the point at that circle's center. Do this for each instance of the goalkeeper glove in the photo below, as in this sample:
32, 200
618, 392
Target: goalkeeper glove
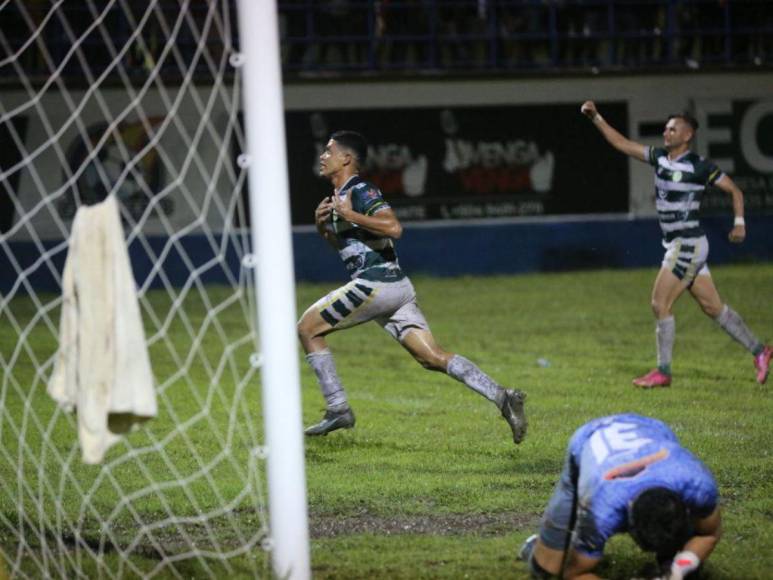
684, 563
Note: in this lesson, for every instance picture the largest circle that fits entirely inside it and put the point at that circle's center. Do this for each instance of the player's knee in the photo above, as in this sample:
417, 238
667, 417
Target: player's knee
427, 362
300, 328
712, 309
537, 571
432, 360
659, 308
305, 329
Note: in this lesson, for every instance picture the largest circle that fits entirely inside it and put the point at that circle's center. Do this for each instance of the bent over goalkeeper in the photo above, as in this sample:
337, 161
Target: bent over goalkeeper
359, 223
627, 473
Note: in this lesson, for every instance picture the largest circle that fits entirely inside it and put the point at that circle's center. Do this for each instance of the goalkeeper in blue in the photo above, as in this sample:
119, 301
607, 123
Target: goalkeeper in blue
359, 223
626, 473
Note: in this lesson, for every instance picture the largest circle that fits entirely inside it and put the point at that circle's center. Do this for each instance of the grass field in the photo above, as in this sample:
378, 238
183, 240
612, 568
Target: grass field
429, 484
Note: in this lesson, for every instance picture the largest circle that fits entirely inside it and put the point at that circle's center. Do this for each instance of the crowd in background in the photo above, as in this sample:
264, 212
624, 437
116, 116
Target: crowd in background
374, 36
523, 34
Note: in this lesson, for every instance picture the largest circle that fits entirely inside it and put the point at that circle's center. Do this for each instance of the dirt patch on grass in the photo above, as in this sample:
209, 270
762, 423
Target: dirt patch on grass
242, 530
327, 526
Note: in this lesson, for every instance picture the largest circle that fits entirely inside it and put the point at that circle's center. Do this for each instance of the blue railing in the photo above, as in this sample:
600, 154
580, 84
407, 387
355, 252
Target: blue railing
520, 35
367, 37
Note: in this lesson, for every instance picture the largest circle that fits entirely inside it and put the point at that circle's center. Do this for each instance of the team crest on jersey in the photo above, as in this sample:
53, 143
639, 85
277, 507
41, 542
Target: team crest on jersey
676, 176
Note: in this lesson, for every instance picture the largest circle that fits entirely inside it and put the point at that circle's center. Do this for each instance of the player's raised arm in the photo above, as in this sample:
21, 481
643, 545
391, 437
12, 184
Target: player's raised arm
612, 135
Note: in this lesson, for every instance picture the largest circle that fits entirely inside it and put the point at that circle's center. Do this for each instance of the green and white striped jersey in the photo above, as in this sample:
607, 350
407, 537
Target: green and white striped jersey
366, 255
679, 187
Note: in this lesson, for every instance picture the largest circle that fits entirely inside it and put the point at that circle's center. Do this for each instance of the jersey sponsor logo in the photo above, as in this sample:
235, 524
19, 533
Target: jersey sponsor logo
618, 437
499, 166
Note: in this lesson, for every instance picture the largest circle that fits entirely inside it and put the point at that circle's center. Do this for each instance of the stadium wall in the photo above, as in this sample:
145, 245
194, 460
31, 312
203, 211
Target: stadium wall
736, 112
487, 247
510, 247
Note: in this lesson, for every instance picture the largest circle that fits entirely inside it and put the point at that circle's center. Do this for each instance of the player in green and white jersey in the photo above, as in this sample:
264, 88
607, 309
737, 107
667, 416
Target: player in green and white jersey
359, 223
681, 177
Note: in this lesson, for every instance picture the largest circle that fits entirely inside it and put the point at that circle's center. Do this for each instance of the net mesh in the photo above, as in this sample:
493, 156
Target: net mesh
136, 100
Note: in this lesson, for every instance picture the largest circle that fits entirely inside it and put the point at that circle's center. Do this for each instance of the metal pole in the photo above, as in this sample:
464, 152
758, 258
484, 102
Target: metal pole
275, 284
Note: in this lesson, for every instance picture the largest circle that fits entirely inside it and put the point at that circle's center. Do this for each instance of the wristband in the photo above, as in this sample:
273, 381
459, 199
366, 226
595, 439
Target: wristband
739, 221
597, 117
684, 563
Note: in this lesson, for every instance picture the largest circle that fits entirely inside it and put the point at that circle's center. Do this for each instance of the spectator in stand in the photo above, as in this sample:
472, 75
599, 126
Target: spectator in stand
336, 21
462, 32
687, 33
523, 32
748, 32
293, 22
711, 24
762, 35
403, 33
579, 24
640, 27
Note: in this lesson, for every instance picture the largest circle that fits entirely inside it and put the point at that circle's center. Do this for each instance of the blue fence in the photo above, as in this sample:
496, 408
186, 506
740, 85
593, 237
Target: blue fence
516, 248
439, 250
363, 37
501, 35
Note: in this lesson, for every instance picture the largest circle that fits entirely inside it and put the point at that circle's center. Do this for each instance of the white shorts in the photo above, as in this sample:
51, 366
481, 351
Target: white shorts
686, 258
391, 304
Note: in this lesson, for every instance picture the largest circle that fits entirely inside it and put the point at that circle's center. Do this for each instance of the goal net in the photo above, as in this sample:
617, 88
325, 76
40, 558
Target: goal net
138, 101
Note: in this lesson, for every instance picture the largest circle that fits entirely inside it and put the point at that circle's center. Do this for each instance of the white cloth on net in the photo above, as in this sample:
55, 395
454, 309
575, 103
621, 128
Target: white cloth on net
102, 367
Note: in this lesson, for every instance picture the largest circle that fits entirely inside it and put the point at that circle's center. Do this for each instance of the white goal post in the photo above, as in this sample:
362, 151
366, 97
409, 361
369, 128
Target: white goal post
162, 106
271, 227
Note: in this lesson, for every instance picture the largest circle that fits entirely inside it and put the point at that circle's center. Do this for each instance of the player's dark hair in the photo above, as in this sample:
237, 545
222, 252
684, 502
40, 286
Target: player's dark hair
687, 118
354, 142
659, 521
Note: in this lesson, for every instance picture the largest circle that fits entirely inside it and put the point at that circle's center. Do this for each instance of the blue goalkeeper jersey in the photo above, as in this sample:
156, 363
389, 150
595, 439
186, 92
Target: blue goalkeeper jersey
621, 456
366, 255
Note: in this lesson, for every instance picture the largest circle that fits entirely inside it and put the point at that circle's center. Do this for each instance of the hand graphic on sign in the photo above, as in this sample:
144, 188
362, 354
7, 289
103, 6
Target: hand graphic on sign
541, 173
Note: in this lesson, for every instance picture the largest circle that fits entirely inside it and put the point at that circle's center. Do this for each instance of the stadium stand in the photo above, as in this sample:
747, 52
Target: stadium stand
365, 37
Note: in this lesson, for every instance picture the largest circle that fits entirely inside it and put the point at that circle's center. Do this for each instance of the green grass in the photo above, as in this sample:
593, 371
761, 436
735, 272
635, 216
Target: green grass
429, 484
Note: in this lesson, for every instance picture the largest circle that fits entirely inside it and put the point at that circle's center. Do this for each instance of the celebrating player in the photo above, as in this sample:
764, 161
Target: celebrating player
626, 473
360, 225
681, 177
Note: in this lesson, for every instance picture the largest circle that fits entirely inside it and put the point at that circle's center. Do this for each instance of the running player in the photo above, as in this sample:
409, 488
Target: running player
681, 177
358, 222
626, 473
